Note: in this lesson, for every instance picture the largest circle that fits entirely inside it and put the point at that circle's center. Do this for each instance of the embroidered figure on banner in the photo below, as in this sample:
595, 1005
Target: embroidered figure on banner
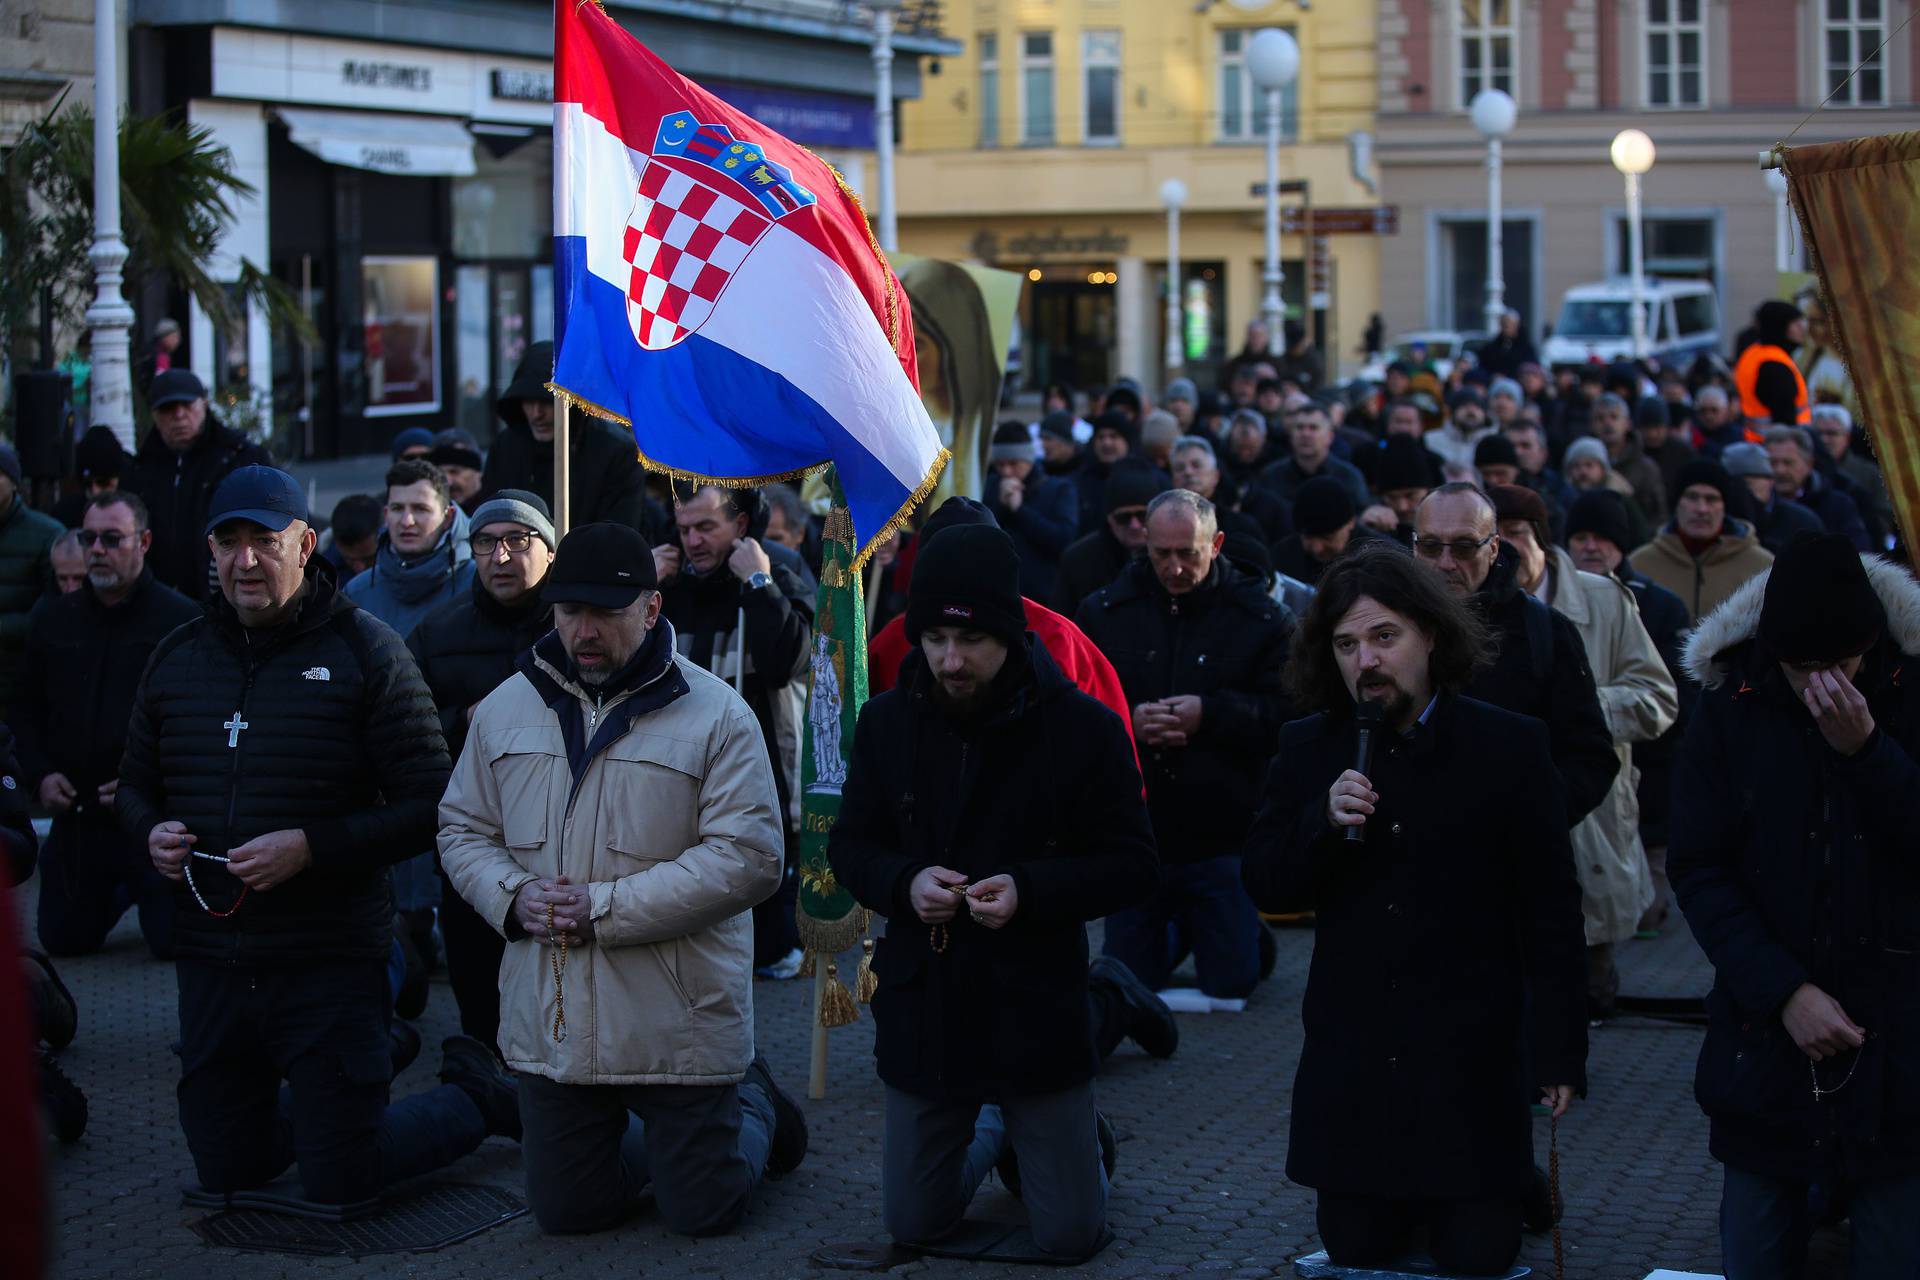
704, 199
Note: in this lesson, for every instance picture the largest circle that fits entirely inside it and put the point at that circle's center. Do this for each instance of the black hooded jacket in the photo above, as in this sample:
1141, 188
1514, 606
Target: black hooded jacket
333, 733
1541, 671
467, 648
177, 488
1042, 787
1226, 641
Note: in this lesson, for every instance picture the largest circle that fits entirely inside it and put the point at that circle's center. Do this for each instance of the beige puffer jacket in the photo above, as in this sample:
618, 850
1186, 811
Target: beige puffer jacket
674, 828
1640, 700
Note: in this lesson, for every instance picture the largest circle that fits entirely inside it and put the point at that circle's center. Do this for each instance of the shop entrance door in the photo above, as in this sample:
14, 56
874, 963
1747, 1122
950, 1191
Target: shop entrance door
1072, 333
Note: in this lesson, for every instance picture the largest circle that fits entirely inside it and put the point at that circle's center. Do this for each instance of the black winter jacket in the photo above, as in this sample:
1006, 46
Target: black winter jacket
177, 488
1041, 787
18, 843
467, 648
83, 668
1089, 564
1541, 671
1796, 864
26, 539
1041, 529
605, 479
340, 740
1665, 617
1225, 641
1426, 1039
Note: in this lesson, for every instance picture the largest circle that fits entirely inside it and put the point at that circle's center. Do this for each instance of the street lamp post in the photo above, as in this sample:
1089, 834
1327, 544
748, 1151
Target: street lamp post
1782, 226
1632, 153
1493, 113
884, 13
1173, 194
1273, 60
109, 318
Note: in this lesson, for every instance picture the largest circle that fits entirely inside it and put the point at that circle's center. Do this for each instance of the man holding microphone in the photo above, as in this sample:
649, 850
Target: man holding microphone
1410, 1104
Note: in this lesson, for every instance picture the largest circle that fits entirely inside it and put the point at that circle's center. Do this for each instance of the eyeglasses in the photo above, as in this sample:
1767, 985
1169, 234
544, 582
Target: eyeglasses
1131, 515
111, 539
483, 544
1462, 548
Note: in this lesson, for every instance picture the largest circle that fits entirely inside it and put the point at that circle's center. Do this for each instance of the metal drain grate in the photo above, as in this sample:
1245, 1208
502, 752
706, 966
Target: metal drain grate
416, 1221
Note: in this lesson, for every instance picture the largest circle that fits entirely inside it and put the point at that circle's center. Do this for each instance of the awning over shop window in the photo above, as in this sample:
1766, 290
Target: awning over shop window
421, 146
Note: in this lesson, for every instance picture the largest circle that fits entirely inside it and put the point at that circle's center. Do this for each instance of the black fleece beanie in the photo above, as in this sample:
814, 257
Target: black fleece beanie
967, 575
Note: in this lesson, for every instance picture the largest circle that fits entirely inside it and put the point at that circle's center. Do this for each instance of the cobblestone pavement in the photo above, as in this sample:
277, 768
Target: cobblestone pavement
1200, 1188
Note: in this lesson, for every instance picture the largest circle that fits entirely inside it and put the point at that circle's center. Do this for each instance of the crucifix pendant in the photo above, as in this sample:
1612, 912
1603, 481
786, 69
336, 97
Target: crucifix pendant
233, 728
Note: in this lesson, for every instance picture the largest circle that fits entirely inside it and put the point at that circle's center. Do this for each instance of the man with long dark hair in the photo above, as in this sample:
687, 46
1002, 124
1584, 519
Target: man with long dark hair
1410, 1105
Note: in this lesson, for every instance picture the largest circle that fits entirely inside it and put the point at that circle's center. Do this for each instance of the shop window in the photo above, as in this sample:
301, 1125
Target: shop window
1676, 40
1242, 109
1485, 47
1100, 77
400, 334
1851, 34
505, 210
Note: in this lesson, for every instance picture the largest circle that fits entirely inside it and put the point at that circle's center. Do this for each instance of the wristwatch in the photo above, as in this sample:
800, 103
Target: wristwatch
759, 581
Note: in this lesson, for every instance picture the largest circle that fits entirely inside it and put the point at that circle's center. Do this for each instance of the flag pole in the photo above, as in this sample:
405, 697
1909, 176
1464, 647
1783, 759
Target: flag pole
817, 1071
562, 468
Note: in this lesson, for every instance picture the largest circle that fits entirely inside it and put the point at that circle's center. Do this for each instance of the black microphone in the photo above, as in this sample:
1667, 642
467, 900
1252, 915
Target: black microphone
1367, 714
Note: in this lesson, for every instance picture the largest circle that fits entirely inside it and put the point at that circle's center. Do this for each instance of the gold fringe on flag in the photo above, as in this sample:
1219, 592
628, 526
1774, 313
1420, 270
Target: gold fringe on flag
864, 981
837, 1008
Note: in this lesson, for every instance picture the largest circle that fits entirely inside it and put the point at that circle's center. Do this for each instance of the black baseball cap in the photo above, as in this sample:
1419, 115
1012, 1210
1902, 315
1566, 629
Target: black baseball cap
604, 565
174, 386
265, 495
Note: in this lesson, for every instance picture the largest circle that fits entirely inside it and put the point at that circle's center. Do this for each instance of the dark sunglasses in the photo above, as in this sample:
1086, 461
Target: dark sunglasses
111, 539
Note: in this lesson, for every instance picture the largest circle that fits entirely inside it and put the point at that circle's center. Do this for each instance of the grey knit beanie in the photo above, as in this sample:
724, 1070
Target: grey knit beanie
520, 507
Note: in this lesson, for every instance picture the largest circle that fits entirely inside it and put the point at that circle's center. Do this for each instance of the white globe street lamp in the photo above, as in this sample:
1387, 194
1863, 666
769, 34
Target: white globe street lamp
1173, 194
1273, 61
1632, 153
1494, 113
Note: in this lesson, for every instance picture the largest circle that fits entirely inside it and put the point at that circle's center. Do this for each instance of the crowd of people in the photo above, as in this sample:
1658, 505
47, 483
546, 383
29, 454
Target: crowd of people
1616, 635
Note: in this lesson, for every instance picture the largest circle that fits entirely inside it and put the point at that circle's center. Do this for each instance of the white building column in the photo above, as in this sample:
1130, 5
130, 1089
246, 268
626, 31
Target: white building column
1136, 322
240, 127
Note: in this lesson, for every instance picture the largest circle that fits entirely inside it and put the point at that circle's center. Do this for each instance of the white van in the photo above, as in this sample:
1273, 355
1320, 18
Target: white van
1596, 323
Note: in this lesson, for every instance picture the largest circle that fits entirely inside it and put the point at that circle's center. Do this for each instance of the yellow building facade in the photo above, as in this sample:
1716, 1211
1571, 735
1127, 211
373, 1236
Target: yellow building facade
1043, 149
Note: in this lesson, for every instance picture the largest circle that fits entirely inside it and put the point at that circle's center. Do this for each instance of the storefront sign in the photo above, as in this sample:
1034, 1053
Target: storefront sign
386, 75
522, 86
1041, 246
815, 119
1343, 220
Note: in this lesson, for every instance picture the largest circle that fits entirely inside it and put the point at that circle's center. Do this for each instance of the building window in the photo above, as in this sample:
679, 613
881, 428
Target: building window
1851, 36
989, 90
1100, 76
1243, 108
1674, 246
1676, 38
1486, 47
1036, 88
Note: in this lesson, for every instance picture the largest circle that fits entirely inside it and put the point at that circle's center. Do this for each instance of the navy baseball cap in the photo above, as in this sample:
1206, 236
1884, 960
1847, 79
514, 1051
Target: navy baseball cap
175, 386
265, 495
603, 565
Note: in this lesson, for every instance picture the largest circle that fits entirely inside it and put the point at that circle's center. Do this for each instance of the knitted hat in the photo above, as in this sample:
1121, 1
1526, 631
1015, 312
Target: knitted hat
516, 506
456, 448
1159, 427
1011, 443
1602, 512
1585, 447
1495, 451
968, 576
1466, 395
1059, 425
1181, 389
1745, 459
1127, 426
1704, 471
1132, 483
1405, 463
1321, 506
411, 438
1506, 387
99, 455
954, 512
1248, 552
1651, 412
1516, 502
1819, 605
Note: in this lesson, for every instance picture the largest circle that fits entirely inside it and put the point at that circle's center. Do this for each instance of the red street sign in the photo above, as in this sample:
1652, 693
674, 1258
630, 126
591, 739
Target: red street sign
1343, 220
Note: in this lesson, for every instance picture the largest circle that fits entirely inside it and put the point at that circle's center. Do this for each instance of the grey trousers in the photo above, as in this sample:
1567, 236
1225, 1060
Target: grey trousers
936, 1155
590, 1150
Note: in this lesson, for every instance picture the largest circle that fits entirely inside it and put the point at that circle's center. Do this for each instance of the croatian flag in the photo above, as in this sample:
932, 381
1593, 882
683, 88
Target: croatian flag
719, 290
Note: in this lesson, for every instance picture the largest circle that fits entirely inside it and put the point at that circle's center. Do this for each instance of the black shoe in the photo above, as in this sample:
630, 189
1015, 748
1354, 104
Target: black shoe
66, 1106
53, 1004
470, 1065
411, 1000
1008, 1165
1149, 1023
789, 1122
1539, 1211
403, 1044
1269, 951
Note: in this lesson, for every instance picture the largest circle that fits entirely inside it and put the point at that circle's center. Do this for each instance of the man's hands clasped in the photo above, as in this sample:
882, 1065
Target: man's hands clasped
937, 894
554, 910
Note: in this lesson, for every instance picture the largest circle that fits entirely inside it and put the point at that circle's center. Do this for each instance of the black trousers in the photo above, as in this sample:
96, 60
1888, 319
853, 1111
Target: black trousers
322, 1028
91, 873
473, 966
1465, 1237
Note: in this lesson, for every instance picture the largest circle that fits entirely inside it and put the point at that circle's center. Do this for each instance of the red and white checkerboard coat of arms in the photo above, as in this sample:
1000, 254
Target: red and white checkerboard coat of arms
687, 235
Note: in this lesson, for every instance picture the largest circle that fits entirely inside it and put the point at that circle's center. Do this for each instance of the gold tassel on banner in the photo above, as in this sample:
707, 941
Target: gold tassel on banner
806, 963
836, 1002
864, 983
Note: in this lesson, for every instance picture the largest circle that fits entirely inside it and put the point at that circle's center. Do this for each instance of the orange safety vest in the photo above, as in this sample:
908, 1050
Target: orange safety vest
1746, 377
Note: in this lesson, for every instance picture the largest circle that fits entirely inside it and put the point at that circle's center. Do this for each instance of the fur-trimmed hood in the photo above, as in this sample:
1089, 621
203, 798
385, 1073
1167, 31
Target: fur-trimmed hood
1737, 620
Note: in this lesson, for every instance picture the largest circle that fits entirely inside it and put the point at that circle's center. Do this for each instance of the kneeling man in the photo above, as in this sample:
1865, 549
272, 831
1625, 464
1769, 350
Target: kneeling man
991, 809
613, 816
1410, 1106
